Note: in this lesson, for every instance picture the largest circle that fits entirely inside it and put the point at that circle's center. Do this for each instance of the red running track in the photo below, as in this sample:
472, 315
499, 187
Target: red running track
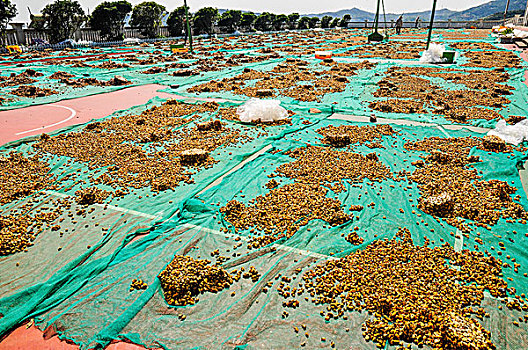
18, 123
32, 338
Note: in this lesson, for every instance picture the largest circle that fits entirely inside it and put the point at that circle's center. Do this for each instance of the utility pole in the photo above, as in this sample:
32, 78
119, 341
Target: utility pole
377, 16
431, 25
188, 25
525, 22
375, 36
506, 12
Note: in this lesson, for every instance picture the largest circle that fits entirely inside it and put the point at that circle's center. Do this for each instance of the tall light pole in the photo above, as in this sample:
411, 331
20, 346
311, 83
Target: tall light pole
525, 22
375, 36
377, 17
506, 12
431, 25
188, 25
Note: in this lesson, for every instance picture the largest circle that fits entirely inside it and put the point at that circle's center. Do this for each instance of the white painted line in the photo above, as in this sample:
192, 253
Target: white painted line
375, 60
364, 119
235, 168
216, 232
73, 114
523, 174
278, 246
442, 127
469, 127
109, 206
459, 241
439, 127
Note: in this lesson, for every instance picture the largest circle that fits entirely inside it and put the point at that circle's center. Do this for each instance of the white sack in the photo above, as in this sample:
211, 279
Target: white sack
513, 134
265, 110
434, 54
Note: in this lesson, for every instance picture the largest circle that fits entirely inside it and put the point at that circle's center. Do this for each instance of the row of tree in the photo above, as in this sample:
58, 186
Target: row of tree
108, 17
63, 17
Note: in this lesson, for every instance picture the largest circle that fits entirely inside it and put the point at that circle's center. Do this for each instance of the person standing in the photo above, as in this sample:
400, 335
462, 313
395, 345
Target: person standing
417, 22
399, 24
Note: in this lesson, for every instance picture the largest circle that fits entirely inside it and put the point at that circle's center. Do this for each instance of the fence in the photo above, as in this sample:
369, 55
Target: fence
9, 38
28, 35
24, 37
480, 24
31, 34
517, 20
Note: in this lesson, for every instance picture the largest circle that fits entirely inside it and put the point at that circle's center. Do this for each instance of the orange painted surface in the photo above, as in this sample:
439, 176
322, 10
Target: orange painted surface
33, 339
14, 63
15, 124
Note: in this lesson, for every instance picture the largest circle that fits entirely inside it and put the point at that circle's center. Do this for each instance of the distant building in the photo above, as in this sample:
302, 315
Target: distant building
37, 20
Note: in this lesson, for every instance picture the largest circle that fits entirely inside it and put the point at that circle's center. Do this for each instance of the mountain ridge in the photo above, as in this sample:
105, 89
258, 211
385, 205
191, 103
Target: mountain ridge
470, 14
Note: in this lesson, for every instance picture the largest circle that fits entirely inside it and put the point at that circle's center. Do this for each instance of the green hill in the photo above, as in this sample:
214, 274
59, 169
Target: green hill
481, 11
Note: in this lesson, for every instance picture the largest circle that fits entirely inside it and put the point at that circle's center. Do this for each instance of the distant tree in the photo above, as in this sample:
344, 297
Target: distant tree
204, 20
292, 20
334, 23
264, 21
230, 19
176, 22
63, 18
303, 23
313, 22
108, 17
147, 17
345, 20
278, 21
325, 21
7, 12
248, 19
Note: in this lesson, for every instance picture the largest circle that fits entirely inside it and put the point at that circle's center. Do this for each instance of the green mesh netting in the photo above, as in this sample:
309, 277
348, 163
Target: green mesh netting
77, 280
83, 292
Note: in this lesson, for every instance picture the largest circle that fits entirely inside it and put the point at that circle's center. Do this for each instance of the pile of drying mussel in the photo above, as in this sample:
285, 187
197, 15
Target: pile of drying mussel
327, 166
117, 145
417, 294
292, 78
113, 154
22, 176
185, 278
392, 50
492, 59
407, 90
285, 209
451, 187
32, 91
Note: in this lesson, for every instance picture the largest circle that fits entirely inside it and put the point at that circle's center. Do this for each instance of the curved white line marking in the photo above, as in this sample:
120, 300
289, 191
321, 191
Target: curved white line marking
73, 114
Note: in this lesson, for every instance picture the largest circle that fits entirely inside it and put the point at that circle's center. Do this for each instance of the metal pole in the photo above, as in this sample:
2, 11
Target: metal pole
525, 22
188, 25
505, 12
431, 25
377, 16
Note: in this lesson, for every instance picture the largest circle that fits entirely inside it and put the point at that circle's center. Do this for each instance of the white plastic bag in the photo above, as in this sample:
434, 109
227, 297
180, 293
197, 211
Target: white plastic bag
512, 134
264, 110
434, 54
520, 33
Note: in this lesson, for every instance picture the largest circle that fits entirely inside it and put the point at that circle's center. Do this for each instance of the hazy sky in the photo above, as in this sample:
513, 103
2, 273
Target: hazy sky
277, 6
